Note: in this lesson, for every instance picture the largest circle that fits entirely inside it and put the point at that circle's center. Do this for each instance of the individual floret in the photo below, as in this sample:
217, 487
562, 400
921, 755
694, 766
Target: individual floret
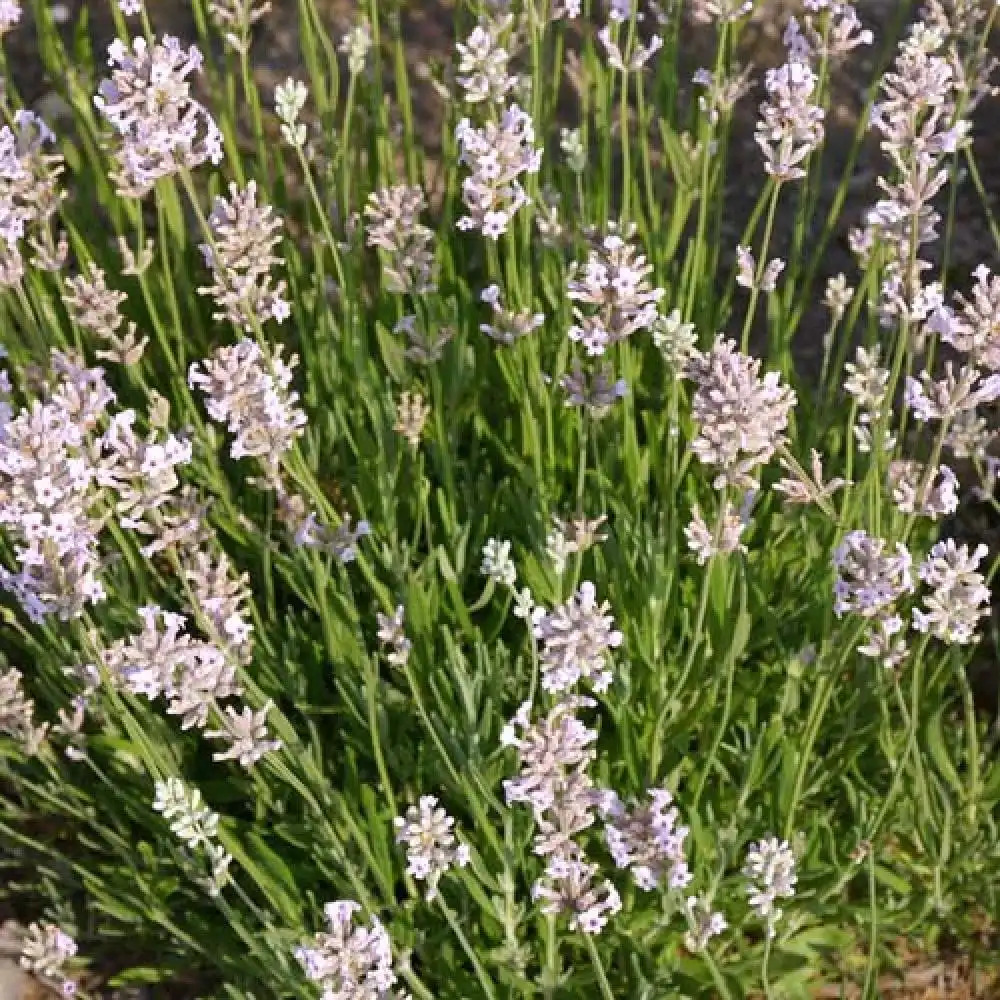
675, 340
720, 11
497, 563
17, 713
30, 195
595, 391
870, 576
355, 45
236, 18
45, 952
508, 325
790, 125
974, 326
246, 735
952, 394
10, 15
555, 753
916, 489
807, 487
483, 72
704, 923
392, 215
309, 530
412, 412
868, 383
140, 469
164, 659
569, 888
648, 840
221, 597
50, 494
97, 309
706, 543
392, 637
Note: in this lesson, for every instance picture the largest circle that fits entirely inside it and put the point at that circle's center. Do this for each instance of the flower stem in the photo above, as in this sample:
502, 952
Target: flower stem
595, 959
456, 927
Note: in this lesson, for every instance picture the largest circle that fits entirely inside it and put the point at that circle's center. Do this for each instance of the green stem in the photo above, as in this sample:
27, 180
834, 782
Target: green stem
595, 959
817, 709
550, 971
759, 271
911, 740
456, 927
376, 738
765, 978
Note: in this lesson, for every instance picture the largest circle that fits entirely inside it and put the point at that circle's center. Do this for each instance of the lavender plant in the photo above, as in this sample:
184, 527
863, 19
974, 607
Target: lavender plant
442, 552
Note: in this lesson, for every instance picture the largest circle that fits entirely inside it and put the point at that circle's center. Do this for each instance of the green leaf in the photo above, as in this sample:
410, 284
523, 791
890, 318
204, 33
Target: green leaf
890, 879
267, 869
934, 735
140, 975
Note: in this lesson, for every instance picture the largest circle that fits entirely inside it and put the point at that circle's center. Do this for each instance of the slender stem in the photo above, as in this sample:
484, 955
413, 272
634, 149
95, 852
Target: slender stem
704, 201
595, 959
706, 586
972, 752
977, 182
911, 740
764, 976
441, 434
772, 207
656, 749
376, 737
475, 800
550, 971
470, 952
324, 221
871, 964
817, 709
720, 731
581, 469
626, 149
345, 171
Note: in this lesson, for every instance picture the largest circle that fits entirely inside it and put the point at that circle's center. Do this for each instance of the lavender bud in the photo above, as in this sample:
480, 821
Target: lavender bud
576, 641
869, 578
615, 295
393, 218
497, 155
431, 847
241, 255
649, 840
770, 871
252, 396
350, 961
741, 417
147, 100
483, 62
959, 596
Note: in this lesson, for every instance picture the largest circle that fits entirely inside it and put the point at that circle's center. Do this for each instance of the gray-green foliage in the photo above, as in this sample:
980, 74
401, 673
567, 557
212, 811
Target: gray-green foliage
735, 686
